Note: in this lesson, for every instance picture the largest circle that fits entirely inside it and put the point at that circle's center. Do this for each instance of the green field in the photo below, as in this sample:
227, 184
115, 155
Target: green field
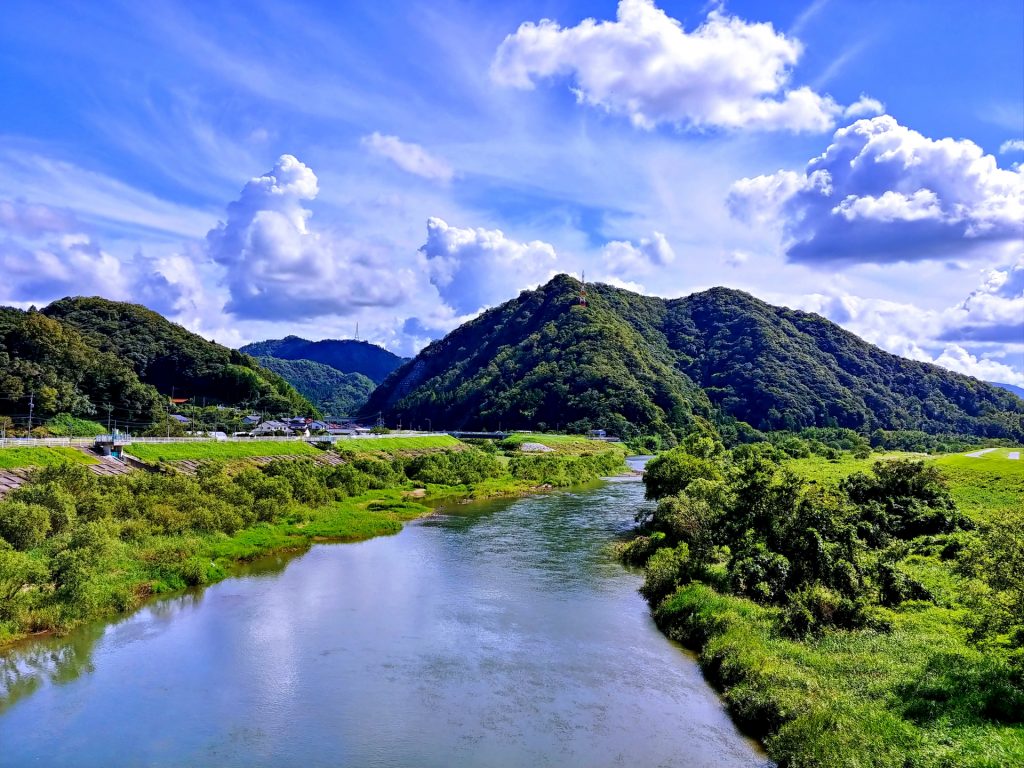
575, 444
13, 458
397, 444
212, 450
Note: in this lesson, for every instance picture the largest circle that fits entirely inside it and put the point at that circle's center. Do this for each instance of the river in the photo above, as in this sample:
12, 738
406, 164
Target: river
496, 633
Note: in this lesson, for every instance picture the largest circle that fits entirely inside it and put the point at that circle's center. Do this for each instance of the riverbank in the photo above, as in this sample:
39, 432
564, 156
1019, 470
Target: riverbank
907, 654
75, 548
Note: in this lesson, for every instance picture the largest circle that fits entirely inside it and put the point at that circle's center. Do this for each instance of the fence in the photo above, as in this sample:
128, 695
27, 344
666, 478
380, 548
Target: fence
68, 442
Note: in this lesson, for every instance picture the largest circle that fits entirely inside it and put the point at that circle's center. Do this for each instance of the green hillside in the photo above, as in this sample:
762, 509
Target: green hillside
334, 393
173, 359
634, 364
345, 355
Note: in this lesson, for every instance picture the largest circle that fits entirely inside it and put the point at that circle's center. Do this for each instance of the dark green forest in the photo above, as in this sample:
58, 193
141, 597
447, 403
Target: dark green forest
334, 393
636, 364
345, 355
77, 356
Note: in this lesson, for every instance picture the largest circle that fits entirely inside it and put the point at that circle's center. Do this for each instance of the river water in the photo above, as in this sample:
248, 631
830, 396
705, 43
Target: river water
496, 633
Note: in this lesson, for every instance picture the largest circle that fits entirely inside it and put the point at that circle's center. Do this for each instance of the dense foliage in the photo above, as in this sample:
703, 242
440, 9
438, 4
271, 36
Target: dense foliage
345, 355
760, 565
335, 394
62, 371
175, 360
637, 365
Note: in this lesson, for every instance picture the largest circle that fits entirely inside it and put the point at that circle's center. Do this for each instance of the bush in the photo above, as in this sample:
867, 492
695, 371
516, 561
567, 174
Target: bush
24, 526
663, 573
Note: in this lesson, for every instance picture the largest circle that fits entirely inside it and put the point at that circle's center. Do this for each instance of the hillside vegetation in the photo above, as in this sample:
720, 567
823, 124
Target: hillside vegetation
637, 365
172, 359
334, 393
345, 355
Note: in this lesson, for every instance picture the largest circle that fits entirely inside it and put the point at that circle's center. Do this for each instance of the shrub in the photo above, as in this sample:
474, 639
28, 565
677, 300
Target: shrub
663, 573
23, 525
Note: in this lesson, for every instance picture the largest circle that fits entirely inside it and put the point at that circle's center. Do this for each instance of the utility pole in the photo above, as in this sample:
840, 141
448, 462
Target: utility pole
31, 407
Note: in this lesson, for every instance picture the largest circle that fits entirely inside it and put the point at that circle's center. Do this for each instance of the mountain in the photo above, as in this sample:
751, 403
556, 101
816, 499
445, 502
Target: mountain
55, 368
345, 355
334, 393
1013, 388
635, 364
172, 359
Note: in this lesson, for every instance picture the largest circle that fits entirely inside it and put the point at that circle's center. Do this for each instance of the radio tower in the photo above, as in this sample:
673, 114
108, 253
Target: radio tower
583, 290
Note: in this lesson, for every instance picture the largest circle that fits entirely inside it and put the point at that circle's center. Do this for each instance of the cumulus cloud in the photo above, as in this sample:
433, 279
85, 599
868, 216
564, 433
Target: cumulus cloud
726, 73
1013, 145
276, 266
411, 158
477, 268
882, 192
46, 255
622, 258
956, 358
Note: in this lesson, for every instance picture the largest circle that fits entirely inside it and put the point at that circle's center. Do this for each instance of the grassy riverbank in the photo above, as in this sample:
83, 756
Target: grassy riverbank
17, 458
852, 614
75, 547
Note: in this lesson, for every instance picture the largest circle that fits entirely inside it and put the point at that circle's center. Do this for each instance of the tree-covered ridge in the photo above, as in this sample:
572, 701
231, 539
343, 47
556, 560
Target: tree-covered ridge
345, 355
61, 371
334, 393
173, 359
634, 364
542, 361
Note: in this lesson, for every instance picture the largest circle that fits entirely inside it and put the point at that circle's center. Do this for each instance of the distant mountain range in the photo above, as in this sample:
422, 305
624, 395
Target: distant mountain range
334, 393
1018, 391
345, 355
635, 364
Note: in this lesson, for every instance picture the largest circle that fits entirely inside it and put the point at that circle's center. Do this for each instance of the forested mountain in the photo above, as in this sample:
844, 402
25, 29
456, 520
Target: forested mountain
634, 364
345, 355
50, 364
79, 355
334, 393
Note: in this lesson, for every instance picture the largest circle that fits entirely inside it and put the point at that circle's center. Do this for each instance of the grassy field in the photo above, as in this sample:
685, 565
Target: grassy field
392, 445
574, 444
202, 451
13, 458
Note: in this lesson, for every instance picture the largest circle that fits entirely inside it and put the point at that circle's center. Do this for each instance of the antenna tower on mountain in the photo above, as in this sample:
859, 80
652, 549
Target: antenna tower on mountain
583, 290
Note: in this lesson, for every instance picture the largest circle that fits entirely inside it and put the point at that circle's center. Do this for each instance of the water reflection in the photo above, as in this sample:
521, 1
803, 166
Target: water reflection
496, 633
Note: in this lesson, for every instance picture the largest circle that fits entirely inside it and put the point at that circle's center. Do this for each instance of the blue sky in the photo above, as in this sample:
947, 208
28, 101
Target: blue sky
300, 167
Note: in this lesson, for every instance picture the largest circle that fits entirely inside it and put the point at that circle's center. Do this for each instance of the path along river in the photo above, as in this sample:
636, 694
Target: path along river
496, 633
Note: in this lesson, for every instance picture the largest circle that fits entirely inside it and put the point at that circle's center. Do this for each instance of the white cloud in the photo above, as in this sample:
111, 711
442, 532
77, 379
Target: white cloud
477, 268
33, 220
276, 266
1013, 145
865, 106
726, 73
622, 258
411, 158
956, 358
882, 192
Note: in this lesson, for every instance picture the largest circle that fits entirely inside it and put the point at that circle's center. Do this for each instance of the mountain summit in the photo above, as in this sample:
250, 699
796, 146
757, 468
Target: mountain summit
633, 364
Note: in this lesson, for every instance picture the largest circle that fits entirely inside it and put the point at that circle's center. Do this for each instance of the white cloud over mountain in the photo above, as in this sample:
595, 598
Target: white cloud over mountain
477, 268
277, 266
882, 192
624, 259
727, 73
410, 157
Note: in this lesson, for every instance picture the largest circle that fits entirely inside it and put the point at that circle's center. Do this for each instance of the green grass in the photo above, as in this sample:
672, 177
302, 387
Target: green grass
212, 450
574, 444
398, 444
13, 458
